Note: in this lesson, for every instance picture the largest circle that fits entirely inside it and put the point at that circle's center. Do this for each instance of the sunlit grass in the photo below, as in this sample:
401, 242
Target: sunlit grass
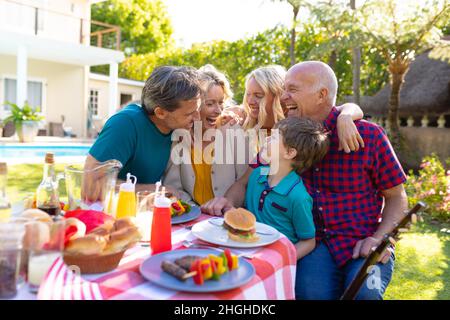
422, 265
24, 179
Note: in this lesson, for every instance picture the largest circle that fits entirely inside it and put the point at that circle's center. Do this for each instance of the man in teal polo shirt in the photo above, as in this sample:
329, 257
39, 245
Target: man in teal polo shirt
139, 136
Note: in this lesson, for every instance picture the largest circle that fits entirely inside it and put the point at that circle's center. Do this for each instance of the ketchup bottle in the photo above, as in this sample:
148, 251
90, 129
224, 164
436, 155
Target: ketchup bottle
161, 238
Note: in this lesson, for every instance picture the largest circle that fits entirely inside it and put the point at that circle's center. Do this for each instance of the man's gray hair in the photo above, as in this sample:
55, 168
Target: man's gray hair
167, 86
326, 78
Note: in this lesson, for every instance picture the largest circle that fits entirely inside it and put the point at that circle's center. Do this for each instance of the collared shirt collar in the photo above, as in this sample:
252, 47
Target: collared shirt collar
331, 121
284, 186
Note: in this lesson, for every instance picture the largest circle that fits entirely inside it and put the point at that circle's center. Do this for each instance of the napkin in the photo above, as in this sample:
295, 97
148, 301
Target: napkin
91, 218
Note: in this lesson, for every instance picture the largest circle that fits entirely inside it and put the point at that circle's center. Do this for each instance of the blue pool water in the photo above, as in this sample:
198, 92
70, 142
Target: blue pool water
14, 152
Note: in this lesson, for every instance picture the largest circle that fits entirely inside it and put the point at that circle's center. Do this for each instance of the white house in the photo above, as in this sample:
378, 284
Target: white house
128, 90
45, 55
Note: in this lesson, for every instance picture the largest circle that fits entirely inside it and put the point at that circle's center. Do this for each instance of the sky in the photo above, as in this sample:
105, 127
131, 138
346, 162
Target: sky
206, 20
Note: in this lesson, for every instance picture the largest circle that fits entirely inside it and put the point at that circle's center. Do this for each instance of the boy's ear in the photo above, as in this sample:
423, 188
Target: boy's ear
291, 153
160, 113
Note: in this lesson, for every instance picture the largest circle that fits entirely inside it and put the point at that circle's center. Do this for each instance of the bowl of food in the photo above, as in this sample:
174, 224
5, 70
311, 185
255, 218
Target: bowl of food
102, 248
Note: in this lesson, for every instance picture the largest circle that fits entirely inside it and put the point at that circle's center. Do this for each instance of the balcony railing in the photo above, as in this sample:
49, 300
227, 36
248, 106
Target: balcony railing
105, 36
24, 18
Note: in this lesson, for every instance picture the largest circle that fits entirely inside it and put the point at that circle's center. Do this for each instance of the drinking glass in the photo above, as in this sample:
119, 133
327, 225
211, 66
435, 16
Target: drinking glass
144, 214
11, 237
45, 250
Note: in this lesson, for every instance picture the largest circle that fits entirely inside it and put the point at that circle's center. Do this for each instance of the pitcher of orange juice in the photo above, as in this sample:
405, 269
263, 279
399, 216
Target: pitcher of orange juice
126, 203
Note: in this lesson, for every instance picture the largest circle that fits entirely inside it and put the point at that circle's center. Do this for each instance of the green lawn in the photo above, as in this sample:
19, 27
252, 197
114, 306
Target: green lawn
422, 268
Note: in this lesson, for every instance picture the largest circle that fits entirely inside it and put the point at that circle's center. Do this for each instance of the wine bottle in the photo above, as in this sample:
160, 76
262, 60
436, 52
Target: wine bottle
47, 198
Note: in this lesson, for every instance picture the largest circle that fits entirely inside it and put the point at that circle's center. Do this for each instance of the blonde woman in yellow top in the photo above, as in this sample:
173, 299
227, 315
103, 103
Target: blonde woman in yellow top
207, 176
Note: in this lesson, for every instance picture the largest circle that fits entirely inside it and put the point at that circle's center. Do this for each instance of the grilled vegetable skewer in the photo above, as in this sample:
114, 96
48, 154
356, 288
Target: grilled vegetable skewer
186, 262
201, 268
176, 271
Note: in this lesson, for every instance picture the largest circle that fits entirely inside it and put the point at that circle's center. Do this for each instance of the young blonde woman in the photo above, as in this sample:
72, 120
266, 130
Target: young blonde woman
262, 103
202, 179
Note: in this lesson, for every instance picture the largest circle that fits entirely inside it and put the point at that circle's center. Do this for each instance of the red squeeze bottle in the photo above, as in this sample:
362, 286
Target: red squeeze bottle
161, 239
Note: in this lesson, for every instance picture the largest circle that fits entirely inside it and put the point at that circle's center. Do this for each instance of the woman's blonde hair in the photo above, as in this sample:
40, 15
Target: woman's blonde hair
210, 76
271, 80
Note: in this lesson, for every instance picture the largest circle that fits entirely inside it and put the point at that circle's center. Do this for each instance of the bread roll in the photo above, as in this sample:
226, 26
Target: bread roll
100, 231
38, 215
87, 245
20, 220
105, 229
122, 239
123, 223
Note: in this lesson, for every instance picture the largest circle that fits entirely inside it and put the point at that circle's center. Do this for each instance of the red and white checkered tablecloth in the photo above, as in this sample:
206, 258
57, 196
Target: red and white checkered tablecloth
275, 267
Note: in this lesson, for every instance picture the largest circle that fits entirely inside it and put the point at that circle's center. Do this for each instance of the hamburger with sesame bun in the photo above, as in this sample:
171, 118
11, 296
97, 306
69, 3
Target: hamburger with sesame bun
240, 224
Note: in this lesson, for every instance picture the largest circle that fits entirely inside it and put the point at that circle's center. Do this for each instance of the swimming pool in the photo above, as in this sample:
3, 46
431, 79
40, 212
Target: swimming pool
11, 152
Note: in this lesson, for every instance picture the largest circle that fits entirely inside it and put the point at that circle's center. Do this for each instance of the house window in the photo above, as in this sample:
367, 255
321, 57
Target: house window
34, 93
93, 101
125, 98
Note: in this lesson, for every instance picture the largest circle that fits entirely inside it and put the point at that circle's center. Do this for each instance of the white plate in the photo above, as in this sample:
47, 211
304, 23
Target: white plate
216, 234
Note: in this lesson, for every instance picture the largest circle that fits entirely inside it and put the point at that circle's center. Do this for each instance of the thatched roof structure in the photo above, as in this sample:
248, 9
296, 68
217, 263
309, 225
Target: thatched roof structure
426, 90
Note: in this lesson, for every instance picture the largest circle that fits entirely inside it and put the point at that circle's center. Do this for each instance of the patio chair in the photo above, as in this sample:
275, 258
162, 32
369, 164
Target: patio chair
9, 129
353, 288
56, 129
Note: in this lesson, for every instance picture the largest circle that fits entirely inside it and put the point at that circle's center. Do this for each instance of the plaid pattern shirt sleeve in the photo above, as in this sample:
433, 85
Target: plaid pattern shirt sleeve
386, 170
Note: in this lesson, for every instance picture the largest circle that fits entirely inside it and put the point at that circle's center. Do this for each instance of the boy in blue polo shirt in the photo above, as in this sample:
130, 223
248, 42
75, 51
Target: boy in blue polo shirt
276, 194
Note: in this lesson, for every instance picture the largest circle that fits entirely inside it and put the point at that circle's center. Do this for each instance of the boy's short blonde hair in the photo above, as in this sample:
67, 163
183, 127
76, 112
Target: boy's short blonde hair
306, 136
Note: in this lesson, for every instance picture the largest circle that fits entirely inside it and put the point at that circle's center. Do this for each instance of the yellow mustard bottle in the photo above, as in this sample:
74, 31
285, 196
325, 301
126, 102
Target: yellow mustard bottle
126, 203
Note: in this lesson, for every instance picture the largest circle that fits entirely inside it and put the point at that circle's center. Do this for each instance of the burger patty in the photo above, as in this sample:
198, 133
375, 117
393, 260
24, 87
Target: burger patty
239, 232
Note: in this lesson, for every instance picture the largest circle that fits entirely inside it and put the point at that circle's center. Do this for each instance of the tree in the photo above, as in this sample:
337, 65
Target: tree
356, 66
442, 50
339, 36
296, 5
145, 24
334, 22
238, 58
401, 33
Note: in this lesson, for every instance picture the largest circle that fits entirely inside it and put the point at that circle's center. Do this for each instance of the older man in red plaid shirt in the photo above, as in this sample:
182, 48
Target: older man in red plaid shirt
358, 197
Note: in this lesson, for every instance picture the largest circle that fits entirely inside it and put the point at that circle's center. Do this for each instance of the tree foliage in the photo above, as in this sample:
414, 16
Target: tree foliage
333, 28
401, 31
236, 59
239, 57
145, 24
